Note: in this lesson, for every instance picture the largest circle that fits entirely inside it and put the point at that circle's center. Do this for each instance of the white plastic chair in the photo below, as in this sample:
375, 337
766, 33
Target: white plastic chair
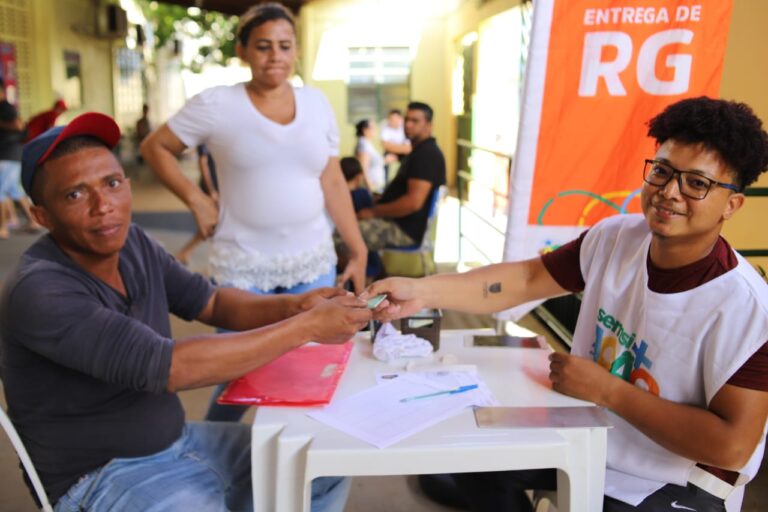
398, 261
25, 460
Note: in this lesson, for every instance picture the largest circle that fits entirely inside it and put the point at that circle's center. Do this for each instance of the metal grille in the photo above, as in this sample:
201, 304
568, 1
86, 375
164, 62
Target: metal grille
15, 19
128, 87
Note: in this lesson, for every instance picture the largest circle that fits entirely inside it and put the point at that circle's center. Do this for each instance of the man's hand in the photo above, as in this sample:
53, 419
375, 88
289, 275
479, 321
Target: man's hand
308, 300
365, 214
401, 294
206, 213
580, 378
338, 319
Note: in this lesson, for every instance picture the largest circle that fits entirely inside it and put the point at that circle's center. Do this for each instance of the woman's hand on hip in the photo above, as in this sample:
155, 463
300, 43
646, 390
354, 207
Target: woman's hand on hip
206, 213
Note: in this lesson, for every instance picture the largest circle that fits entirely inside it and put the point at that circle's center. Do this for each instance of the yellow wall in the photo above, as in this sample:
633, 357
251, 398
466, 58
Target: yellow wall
430, 83
468, 17
430, 71
50, 27
745, 78
95, 54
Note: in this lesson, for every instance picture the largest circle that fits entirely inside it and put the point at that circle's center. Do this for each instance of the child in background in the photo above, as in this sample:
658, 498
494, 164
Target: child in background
361, 198
353, 173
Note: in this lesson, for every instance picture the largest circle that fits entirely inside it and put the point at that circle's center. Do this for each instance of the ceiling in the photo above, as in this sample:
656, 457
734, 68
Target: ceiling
235, 7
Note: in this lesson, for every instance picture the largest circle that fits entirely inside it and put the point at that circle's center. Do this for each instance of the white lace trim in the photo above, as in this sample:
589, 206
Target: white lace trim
232, 266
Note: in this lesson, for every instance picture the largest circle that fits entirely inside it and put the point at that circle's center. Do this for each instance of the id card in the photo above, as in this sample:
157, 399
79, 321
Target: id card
375, 301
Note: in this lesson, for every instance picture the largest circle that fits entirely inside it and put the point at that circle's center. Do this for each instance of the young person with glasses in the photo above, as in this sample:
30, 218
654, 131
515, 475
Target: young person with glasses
671, 335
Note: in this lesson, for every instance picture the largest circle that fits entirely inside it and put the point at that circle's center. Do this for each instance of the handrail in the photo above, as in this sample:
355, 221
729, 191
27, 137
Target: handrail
466, 144
754, 253
756, 192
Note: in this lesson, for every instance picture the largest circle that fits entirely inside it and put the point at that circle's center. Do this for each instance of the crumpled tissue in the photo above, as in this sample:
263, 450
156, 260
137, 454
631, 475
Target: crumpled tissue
390, 345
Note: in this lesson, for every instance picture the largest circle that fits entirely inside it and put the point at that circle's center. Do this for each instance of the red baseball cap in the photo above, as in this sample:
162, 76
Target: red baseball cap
37, 151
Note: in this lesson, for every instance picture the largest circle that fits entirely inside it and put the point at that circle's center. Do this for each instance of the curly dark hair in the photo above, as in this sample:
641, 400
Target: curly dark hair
727, 127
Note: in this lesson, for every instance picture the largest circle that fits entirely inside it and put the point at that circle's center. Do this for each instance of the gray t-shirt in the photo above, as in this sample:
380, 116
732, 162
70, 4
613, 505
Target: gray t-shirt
84, 367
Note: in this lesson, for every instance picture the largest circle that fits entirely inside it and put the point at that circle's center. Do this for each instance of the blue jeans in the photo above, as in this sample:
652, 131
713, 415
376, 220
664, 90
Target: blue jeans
208, 469
10, 180
219, 412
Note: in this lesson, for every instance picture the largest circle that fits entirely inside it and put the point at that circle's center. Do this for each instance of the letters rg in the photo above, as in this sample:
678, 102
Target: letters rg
593, 69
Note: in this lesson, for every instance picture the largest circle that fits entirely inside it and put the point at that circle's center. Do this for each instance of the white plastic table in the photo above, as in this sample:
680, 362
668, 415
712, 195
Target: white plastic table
290, 449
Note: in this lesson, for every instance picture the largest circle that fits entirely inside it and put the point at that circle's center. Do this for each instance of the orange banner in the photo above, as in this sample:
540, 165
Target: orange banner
611, 66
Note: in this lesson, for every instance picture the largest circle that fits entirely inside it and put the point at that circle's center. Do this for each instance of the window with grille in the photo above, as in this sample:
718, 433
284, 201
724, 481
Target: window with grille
15, 32
377, 81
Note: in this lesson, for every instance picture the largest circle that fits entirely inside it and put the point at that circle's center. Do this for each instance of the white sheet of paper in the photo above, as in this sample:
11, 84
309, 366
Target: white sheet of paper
376, 415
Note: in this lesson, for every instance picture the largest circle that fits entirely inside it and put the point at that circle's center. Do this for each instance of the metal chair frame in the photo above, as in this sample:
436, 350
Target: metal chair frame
26, 462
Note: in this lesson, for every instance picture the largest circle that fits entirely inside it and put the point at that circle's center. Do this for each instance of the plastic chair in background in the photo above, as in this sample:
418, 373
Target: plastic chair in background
25, 461
416, 260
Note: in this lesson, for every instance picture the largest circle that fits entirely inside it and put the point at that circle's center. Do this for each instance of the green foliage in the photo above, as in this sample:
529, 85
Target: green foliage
215, 30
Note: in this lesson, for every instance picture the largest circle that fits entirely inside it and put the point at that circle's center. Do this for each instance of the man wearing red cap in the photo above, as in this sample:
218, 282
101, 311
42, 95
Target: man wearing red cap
44, 121
89, 368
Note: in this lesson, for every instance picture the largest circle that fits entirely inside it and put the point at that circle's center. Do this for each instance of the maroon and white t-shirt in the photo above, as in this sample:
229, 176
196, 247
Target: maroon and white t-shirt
565, 267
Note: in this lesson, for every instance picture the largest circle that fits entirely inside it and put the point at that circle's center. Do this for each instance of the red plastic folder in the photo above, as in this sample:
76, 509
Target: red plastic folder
305, 376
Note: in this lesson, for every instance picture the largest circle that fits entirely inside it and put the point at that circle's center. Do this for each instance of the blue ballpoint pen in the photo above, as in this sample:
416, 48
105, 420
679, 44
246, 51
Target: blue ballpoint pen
460, 389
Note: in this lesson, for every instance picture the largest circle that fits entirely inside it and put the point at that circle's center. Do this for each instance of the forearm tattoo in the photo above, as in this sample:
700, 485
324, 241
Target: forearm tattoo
492, 288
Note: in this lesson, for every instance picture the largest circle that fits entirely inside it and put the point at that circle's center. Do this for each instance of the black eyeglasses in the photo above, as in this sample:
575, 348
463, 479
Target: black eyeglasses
691, 183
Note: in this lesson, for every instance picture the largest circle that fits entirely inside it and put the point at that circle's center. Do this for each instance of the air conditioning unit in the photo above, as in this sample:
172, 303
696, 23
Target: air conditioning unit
111, 21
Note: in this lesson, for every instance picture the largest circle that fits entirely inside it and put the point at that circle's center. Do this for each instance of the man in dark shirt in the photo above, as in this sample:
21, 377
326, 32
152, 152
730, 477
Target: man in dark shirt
671, 331
399, 218
89, 368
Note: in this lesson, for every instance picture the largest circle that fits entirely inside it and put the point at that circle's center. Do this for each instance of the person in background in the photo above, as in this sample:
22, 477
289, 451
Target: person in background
209, 185
672, 332
393, 136
90, 370
396, 145
45, 120
276, 153
399, 217
353, 174
370, 158
143, 128
361, 198
11, 145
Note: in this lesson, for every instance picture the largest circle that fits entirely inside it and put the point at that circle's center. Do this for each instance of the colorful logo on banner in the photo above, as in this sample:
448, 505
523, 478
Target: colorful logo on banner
611, 66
